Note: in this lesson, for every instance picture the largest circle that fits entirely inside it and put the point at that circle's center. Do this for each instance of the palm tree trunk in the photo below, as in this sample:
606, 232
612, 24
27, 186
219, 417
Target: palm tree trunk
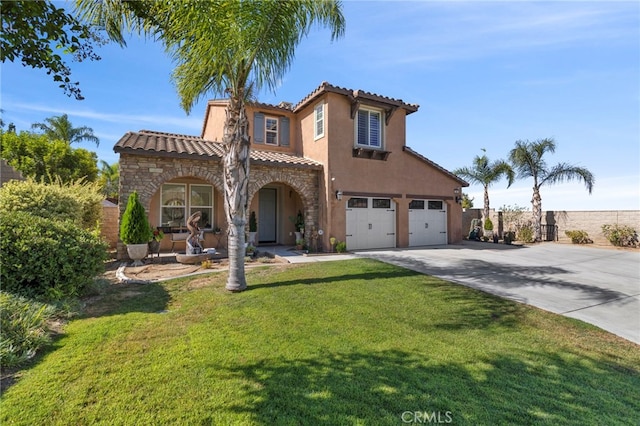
236, 188
485, 212
536, 203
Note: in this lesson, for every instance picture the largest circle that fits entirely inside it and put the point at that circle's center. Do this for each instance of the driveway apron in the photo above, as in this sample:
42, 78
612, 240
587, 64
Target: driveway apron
598, 286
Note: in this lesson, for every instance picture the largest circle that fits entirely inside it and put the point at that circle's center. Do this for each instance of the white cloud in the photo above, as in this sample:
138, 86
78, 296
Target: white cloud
138, 121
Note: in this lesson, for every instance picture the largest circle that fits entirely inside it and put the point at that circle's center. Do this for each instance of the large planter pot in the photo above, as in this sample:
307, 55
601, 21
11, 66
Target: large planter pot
137, 252
252, 238
298, 236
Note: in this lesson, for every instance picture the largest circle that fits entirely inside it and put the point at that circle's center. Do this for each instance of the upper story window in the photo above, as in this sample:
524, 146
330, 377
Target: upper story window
179, 201
318, 119
270, 130
369, 128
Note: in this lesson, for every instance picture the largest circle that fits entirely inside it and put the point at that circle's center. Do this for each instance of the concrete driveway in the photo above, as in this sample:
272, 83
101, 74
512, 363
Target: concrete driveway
598, 286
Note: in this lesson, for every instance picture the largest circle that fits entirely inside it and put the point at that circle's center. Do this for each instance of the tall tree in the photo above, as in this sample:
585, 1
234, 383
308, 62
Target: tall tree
485, 173
527, 159
60, 128
108, 179
40, 34
228, 47
46, 160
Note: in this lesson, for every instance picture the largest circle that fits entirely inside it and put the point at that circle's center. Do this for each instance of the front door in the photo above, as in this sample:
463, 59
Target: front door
267, 215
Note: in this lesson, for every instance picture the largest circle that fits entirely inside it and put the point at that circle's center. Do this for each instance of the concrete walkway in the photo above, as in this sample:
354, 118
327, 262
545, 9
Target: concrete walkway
598, 286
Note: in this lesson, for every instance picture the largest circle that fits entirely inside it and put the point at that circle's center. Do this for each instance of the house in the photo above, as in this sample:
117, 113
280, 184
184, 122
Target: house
339, 157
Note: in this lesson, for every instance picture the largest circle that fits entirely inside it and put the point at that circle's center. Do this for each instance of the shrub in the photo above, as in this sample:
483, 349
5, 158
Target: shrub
46, 258
79, 202
525, 233
24, 331
579, 237
488, 225
253, 223
135, 228
620, 235
341, 247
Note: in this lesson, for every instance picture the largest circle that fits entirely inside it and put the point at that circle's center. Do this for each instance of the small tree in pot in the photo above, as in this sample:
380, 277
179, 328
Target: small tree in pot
253, 228
135, 231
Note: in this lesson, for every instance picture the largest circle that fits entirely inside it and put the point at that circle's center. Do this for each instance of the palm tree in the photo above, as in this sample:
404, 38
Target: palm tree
108, 178
228, 47
527, 160
60, 128
486, 173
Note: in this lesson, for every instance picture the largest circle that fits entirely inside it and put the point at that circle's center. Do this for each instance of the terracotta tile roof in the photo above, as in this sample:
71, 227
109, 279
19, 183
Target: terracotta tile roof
174, 145
437, 166
356, 95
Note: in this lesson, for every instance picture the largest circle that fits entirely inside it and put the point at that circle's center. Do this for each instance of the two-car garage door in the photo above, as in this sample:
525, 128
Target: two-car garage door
371, 223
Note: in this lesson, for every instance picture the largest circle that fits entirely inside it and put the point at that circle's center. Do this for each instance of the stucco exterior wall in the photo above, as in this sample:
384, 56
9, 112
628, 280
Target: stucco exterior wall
109, 226
401, 176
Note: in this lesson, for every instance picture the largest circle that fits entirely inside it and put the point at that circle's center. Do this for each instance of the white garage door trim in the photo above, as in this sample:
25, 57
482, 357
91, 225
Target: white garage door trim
371, 223
427, 222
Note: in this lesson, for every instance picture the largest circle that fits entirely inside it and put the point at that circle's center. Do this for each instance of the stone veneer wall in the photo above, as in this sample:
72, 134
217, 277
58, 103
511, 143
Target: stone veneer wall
589, 221
147, 174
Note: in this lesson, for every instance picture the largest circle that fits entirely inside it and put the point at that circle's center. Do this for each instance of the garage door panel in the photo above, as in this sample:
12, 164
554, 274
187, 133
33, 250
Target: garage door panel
369, 226
427, 223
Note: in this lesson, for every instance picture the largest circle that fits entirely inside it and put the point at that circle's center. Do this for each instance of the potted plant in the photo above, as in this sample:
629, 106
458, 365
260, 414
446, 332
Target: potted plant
253, 228
299, 244
154, 244
135, 231
298, 222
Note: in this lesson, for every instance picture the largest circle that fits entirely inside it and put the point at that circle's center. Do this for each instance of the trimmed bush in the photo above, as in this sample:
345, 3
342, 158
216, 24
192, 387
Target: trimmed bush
341, 246
24, 330
135, 228
79, 202
47, 259
488, 225
620, 235
579, 237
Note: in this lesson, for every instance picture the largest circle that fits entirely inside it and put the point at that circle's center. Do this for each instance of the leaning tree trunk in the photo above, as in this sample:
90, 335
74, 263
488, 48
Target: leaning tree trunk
536, 203
236, 188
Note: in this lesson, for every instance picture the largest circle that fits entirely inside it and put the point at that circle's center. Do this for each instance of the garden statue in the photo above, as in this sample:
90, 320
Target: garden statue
193, 240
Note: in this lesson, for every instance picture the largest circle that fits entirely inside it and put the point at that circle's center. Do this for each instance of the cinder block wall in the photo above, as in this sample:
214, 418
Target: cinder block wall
589, 221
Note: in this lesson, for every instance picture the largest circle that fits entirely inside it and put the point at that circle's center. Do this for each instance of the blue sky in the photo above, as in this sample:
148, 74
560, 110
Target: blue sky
485, 74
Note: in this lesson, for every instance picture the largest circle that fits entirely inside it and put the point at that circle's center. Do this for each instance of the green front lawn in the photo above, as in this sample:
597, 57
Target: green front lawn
353, 342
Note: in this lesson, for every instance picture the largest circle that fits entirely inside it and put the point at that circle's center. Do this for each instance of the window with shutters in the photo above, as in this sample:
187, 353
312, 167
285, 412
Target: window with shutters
318, 115
270, 130
369, 128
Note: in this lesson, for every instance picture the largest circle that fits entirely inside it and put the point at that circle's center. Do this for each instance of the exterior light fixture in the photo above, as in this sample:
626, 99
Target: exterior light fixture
458, 198
339, 195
